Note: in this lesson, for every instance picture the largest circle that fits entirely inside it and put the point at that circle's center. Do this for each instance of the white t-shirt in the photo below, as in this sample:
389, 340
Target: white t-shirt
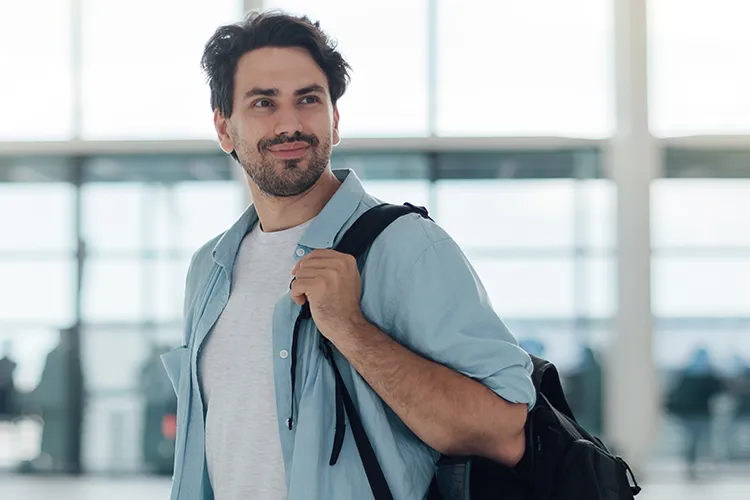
243, 450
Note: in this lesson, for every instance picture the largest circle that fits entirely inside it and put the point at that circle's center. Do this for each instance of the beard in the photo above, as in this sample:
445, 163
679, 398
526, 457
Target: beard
284, 178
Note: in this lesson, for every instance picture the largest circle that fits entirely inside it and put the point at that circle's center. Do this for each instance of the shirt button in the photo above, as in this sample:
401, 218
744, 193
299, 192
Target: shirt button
300, 252
284, 354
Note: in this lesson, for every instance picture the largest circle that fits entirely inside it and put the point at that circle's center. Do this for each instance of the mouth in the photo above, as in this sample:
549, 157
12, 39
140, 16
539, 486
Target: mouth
290, 150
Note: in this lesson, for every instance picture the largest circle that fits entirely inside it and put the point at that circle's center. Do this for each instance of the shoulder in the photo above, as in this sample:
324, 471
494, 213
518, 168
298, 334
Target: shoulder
406, 240
408, 250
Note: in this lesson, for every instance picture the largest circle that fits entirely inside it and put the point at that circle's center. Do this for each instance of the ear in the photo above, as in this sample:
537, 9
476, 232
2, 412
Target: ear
336, 137
222, 130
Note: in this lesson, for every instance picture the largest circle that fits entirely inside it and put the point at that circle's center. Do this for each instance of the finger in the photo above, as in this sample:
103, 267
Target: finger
300, 289
315, 274
318, 265
324, 252
318, 255
307, 273
324, 260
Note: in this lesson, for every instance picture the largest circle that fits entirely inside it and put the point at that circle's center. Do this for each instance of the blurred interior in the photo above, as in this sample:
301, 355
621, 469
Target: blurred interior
516, 123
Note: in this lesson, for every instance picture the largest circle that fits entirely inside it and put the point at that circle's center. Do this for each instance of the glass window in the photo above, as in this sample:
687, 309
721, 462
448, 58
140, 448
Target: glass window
386, 44
205, 210
599, 213
416, 192
701, 213
36, 87
701, 286
598, 287
114, 290
698, 80
169, 336
113, 216
40, 291
491, 213
148, 86
162, 226
113, 436
382, 165
531, 288
41, 220
112, 358
168, 278
538, 67
135, 217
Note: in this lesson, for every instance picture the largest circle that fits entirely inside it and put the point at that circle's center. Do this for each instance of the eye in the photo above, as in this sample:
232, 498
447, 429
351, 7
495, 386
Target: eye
262, 103
309, 99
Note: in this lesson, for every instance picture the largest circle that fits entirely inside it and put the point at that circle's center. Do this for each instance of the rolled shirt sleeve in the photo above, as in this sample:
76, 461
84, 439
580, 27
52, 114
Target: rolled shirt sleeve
444, 314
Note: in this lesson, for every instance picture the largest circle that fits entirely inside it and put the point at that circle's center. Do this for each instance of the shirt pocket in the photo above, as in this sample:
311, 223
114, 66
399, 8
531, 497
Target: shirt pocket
174, 362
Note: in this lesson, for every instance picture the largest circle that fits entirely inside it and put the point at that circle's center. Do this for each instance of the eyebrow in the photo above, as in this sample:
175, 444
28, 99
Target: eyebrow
273, 92
309, 89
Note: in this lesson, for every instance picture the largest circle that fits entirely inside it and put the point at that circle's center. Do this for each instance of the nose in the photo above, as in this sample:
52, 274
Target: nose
289, 121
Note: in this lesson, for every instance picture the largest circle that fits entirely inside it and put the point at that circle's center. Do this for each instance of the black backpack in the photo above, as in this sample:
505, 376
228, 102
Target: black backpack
562, 461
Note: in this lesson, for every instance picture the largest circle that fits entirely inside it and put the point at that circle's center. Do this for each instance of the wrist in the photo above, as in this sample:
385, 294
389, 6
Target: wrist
351, 330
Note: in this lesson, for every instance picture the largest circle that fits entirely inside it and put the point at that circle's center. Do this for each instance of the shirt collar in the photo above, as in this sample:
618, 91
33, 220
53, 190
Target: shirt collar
323, 231
226, 248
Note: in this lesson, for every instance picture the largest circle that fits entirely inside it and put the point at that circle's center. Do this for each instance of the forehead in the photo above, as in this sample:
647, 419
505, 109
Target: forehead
284, 68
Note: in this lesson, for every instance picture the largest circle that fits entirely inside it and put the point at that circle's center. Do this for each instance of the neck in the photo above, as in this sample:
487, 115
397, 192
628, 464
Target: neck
277, 214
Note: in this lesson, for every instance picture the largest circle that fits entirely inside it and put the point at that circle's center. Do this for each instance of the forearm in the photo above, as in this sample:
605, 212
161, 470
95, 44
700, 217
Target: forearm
447, 410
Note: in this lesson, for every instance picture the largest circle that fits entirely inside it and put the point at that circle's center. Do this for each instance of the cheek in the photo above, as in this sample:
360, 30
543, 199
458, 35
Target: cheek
324, 128
320, 122
252, 130
250, 142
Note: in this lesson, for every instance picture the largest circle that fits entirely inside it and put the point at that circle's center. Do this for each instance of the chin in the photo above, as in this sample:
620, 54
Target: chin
294, 164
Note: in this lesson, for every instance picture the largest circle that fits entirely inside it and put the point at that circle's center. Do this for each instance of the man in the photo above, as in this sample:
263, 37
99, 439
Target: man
59, 398
8, 407
430, 366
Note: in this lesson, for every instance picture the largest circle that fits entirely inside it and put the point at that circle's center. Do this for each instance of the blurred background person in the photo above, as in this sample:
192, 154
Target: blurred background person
8, 407
58, 400
690, 401
584, 386
159, 414
738, 430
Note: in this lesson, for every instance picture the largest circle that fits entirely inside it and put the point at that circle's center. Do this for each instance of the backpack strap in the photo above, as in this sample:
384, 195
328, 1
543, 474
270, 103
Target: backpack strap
546, 380
373, 471
356, 242
362, 234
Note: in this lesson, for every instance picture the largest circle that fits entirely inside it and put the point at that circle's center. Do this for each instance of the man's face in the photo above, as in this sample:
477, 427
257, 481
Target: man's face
283, 123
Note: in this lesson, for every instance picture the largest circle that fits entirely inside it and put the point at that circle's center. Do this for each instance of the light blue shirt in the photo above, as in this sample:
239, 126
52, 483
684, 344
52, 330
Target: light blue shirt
417, 286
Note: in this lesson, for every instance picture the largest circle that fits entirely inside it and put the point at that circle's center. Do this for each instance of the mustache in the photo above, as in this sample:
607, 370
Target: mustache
285, 138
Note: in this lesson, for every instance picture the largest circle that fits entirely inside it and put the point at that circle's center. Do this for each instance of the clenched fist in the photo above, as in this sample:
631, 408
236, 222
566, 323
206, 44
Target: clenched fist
330, 282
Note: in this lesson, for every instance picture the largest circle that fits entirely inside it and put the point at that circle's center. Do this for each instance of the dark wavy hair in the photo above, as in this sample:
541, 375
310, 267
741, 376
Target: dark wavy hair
268, 29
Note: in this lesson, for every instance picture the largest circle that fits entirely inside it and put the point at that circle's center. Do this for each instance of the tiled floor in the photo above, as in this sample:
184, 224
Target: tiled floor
91, 488
25, 488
